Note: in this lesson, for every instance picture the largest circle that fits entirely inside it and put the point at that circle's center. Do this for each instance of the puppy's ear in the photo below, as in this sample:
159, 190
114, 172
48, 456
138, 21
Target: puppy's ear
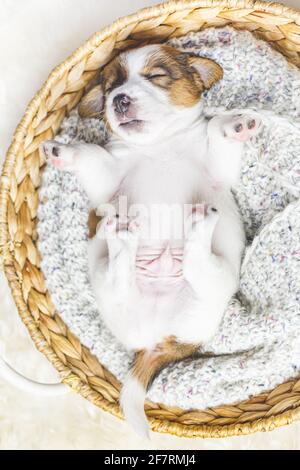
210, 72
92, 103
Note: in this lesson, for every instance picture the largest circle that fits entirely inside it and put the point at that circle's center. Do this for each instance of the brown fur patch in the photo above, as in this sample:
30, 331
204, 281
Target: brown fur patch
174, 71
93, 221
183, 94
92, 103
147, 364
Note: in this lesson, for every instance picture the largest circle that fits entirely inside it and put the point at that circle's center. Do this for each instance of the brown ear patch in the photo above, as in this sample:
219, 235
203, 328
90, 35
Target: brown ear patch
210, 72
114, 74
92, 103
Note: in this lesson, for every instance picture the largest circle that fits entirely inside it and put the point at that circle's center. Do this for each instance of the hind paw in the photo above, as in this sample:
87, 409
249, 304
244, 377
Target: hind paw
242, 127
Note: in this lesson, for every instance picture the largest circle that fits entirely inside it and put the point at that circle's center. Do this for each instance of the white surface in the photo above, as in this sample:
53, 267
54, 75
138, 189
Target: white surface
35, 36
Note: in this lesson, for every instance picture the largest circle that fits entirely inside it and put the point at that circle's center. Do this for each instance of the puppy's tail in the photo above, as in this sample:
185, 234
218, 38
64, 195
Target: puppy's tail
146, 365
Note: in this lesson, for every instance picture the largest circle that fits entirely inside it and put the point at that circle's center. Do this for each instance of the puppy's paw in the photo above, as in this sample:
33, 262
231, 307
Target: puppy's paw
211, 214
242, 127
201, 223
61, 156
202, 213
107, 227
122, 228
130, 231
135, 225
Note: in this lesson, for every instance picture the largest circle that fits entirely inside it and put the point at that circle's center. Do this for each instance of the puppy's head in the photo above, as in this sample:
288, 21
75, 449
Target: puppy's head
150, 92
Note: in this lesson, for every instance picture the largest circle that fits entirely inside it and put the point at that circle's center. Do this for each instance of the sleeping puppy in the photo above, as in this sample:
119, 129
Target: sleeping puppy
164, 268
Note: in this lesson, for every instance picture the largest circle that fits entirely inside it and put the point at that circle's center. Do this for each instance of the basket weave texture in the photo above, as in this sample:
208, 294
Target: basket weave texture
19, 185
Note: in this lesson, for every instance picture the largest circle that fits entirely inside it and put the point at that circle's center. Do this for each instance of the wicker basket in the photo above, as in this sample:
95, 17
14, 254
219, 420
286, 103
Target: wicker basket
19, 200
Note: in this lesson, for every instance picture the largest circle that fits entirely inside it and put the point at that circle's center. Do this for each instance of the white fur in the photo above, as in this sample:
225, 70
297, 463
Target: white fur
176, 158
133, 408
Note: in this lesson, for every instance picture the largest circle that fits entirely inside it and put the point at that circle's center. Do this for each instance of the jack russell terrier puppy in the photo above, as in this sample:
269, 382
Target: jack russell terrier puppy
163, 271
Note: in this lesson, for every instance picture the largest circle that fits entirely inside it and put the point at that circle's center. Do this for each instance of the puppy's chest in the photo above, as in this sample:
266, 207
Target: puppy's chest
163, 179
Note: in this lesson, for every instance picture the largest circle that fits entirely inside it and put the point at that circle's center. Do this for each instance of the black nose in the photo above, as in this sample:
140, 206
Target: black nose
121, 103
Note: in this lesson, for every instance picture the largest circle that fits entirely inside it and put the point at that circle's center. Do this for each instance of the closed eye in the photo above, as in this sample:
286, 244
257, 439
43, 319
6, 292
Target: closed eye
155, 75
156, 72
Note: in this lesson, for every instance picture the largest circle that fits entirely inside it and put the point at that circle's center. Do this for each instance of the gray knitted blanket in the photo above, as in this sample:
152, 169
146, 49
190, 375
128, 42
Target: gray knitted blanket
257, 346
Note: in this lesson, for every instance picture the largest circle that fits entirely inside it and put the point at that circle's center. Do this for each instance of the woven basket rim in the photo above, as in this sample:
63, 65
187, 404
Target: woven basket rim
160, 425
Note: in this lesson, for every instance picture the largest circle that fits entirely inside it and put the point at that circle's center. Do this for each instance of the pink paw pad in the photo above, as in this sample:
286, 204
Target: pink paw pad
242, 127
57, 163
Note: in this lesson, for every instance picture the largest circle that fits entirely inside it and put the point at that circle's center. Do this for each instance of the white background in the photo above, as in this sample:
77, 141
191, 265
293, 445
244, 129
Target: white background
35, 36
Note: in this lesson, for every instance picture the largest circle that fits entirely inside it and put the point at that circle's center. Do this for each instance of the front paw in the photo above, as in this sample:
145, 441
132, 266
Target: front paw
124, 228
61, 156
242, 127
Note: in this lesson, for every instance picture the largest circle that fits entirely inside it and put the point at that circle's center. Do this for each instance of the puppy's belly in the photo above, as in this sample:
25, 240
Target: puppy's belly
159, 309
159, 263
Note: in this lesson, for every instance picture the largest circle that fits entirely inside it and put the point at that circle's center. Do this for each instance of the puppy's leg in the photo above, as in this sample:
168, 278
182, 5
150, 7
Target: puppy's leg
204, 270
226, 137
210, 277
122, 249
197, 249
97, 170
